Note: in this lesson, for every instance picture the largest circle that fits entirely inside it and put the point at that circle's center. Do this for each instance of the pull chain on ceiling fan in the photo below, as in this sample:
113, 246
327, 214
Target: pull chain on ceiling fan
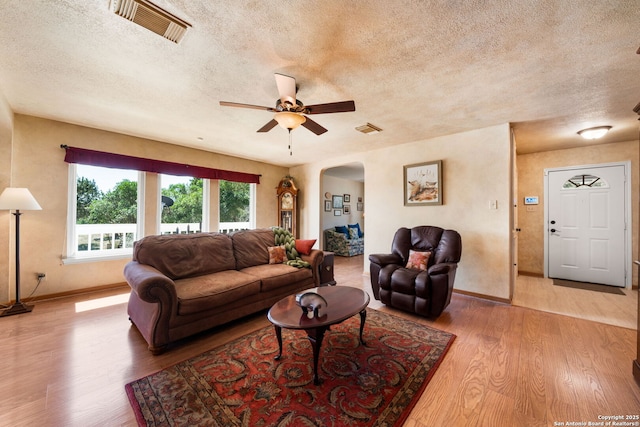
290, 112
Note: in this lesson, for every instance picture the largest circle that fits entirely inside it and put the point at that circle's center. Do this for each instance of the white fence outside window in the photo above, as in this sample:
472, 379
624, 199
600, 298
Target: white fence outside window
107, 239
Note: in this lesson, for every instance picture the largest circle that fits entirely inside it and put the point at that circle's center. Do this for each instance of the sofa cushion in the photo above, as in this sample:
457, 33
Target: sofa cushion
202, 293
343, 229
357, 227
250, 247
277, 254
275, 276
418, 260
304, 246
353, 233
186, 255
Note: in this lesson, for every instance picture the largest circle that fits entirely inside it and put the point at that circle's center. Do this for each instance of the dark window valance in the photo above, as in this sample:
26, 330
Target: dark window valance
120, 161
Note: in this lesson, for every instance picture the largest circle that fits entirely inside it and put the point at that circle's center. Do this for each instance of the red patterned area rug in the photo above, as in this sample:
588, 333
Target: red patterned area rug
240, 383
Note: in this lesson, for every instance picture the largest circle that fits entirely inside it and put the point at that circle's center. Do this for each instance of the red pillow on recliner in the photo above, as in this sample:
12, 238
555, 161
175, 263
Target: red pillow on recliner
418, 260
304, 246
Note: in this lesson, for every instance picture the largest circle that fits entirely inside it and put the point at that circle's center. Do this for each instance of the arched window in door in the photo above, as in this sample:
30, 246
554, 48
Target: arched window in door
585, 181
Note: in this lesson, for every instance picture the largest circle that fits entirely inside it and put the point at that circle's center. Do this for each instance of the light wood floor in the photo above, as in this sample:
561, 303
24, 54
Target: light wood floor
612, 309
509, 366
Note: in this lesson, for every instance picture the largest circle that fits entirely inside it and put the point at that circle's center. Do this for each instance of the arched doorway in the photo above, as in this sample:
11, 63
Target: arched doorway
343, 202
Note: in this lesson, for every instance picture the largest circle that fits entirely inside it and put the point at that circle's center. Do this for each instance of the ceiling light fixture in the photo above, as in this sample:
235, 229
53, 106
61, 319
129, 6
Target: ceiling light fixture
594, 133
289, 120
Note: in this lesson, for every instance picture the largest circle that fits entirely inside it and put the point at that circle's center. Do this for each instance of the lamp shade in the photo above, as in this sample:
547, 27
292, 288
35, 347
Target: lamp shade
18, 199
289, 120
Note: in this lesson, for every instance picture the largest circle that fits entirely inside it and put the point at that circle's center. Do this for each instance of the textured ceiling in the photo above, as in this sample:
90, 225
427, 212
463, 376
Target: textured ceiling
417, 69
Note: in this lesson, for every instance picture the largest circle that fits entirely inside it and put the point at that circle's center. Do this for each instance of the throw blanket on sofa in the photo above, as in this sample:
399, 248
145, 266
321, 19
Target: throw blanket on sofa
285, 238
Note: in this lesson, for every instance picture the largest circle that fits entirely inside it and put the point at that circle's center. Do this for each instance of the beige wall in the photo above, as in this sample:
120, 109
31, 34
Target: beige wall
476, 169
38, 165
531, 183
6, 222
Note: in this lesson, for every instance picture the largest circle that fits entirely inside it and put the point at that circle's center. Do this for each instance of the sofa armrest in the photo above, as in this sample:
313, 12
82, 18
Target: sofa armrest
314, 258
385, 259
150, 284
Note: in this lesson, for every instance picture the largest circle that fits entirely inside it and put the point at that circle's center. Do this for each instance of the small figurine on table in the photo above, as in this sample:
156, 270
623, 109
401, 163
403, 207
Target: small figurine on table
312, 304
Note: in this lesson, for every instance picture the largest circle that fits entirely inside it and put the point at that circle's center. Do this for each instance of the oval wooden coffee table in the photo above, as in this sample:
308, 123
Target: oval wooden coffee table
342, 303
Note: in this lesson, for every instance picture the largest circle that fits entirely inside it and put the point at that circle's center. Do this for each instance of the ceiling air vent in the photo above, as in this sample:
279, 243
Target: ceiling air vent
368, 129
152, 18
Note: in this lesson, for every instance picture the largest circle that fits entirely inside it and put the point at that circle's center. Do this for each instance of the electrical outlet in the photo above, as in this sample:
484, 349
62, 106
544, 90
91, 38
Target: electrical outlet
41, 275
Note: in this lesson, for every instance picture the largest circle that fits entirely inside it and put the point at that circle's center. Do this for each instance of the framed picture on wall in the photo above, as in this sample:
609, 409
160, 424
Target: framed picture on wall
336, 202
360, 206
337, 212
347, 198
347, 209
327, 205
423, 184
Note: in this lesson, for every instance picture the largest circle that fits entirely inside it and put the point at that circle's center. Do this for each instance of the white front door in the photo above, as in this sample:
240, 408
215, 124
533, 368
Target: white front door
586, 224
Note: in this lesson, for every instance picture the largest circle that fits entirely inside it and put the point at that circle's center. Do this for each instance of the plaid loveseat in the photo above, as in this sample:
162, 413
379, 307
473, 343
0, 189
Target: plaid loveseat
338, 243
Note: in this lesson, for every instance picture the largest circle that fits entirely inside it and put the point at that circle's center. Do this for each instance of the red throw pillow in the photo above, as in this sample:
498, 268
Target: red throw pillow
277, 254
304, 246
418, 260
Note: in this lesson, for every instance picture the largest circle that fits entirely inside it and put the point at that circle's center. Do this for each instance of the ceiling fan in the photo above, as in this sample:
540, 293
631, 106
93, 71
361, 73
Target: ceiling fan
291, 112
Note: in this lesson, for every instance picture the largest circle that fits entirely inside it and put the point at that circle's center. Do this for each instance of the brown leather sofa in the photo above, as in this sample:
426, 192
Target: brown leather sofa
424, 292
185, 284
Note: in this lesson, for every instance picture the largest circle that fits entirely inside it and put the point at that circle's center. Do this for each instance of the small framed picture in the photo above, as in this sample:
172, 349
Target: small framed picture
359, 199
347, 198
337, 212
336, 202
327, 205
347, 209
360, 206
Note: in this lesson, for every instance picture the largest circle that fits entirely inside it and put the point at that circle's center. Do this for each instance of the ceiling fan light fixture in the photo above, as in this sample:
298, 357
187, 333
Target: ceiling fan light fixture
289, 120
594, 133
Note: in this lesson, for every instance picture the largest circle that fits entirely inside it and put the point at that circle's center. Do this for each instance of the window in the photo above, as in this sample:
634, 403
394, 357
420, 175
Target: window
585, 181
181, 204
237, 206
104, 211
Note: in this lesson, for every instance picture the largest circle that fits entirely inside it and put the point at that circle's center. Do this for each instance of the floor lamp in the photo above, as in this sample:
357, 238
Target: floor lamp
17, 199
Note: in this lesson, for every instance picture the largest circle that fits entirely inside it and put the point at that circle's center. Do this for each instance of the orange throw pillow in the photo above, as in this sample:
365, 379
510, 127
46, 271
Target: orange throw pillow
304, 246
418, 260
277, 254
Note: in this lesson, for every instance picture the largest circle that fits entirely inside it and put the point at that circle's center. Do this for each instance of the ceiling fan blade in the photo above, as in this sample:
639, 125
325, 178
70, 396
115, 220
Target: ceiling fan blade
313, 126
286, 88
268, 126
331, 107
255, 107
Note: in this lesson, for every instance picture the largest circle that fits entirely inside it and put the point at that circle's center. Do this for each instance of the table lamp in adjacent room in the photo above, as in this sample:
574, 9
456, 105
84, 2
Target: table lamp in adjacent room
17, 199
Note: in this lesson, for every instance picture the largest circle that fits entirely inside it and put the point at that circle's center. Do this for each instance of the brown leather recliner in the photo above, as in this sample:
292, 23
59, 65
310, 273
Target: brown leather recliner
424, 292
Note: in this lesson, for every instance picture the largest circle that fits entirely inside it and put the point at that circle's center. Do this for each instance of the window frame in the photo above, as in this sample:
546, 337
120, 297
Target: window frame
71, 255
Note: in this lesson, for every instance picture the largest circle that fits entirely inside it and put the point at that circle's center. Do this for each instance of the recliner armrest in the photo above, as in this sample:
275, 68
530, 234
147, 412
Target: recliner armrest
385, 259
442, 268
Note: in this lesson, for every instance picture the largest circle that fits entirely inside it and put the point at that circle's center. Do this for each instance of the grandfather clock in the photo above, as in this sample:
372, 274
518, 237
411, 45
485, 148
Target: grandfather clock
287, 204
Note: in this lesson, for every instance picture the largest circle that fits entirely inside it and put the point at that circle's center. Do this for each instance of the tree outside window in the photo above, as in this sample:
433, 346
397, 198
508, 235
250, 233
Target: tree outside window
235, 200
181, 204
106, 210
